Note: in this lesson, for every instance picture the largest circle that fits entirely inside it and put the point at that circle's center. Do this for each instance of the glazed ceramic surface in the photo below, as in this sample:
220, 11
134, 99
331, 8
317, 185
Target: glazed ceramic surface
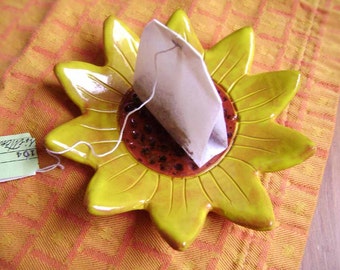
179, 206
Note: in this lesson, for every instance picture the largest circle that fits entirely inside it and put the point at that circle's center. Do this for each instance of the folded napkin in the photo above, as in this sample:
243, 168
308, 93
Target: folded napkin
43, 222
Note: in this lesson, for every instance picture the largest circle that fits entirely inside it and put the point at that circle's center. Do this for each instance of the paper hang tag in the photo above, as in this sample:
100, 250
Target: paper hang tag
186, 102
18, 157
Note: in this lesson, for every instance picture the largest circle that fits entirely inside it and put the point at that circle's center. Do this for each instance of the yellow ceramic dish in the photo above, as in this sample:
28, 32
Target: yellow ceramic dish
179, 206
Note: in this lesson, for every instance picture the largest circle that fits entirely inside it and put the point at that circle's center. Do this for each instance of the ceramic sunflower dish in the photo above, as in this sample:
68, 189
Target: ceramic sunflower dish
148, 172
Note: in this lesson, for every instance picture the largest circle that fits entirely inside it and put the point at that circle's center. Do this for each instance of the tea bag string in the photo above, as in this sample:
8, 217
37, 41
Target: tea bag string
53, 166
120, 138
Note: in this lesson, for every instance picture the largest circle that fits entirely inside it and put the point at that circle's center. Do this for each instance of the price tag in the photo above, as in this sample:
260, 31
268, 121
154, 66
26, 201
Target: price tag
18, 157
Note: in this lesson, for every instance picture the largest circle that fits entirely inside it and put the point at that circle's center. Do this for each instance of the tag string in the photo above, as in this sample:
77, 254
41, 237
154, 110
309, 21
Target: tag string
120, 138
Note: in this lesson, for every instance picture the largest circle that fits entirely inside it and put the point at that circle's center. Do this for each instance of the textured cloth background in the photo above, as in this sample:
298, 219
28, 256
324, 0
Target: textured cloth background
43, 222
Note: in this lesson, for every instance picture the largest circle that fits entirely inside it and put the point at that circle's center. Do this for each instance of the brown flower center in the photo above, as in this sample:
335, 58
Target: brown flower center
148, 142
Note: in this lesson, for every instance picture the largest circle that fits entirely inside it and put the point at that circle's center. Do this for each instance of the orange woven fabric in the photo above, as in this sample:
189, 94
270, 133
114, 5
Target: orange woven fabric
43, 222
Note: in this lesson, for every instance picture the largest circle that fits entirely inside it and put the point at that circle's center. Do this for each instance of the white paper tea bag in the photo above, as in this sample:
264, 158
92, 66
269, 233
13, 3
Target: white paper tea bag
186, 102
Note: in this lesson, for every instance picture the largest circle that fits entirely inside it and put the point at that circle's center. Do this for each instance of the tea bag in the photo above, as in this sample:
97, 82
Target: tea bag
185, 100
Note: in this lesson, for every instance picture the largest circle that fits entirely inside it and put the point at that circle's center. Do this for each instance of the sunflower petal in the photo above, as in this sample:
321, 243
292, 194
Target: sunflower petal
270, 147
90, 86
179, 209
236, 192
261, 97
96, 128
127, 185
230, 59
180, 23
121, 45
